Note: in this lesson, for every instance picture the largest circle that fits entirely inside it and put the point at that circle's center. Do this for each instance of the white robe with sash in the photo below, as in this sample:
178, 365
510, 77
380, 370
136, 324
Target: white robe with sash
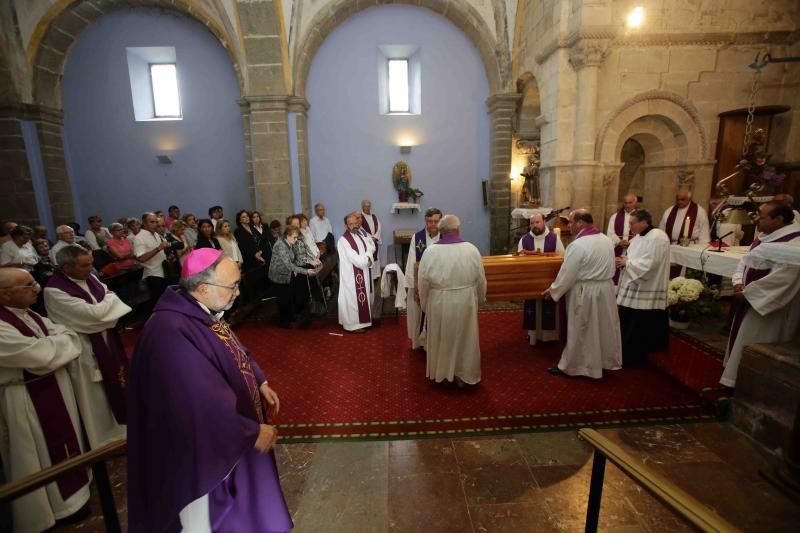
701, 232
774, 314
452, 284
593, 336
413, 311
376, 234
540, 333
85, 319
22, 444
348, 258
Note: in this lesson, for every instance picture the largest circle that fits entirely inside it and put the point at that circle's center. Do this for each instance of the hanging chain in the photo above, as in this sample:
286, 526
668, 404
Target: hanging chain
751, 109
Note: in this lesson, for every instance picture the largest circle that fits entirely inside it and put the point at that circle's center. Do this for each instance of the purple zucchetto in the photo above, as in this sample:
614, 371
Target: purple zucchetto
199, 260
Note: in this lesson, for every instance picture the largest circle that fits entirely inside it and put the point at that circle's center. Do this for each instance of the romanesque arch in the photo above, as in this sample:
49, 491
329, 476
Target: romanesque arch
61, 25
458, 12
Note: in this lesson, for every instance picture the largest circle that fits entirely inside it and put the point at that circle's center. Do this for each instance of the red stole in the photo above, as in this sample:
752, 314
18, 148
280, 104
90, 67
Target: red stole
691, 212
59, 433
362, 299
370, 230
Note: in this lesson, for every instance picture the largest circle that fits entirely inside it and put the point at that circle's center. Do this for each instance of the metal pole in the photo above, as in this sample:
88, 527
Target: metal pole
106, 497
595, 492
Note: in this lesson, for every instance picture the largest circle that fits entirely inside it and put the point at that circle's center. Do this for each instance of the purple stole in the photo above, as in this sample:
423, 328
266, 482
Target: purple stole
110, 354
587, 231
421, 240
59, 433
619, 229
371, 231
548, 307
751, 275
361, 289
691, 212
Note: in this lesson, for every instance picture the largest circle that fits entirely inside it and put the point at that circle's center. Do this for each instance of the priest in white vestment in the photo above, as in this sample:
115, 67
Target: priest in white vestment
452, 284
686, 219
769, 298
37, 405
420, 242
619, 228
75, 298
355, 288
642, 294
540, 318
372, 225
585, 278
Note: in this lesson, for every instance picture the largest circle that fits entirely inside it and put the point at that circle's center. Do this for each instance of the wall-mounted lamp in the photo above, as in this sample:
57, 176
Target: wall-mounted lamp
405, 149
164, 159
635, 17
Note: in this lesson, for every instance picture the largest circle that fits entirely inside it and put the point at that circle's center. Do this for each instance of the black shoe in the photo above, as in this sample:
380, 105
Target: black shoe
555, 371
78, 516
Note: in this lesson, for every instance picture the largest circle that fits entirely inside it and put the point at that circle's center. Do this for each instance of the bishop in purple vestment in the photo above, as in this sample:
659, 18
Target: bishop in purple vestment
199, 442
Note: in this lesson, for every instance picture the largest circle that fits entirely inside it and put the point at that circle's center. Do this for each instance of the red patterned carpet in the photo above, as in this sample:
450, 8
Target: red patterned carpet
374, 385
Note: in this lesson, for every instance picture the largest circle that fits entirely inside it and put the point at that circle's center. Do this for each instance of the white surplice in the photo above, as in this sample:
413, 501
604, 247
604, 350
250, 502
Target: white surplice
774, 314
85, 319
701, 233
413, 311
593, 336
22, 444
541, 334
645, 278
376, 233
452, 284
348, 258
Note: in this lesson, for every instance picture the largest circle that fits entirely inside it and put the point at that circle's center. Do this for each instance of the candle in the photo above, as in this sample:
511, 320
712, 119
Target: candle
686, 228
558, 233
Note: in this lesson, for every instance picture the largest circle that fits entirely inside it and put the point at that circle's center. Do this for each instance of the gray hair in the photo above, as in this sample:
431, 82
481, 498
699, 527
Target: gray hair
432, 211
209, 275
115, 226
643, 215
68, 255
449, 224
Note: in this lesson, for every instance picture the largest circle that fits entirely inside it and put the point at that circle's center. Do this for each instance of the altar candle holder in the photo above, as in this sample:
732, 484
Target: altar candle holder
684, 241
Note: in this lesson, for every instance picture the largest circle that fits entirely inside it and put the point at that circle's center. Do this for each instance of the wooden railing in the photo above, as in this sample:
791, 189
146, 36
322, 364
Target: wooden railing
95, 459
675, 498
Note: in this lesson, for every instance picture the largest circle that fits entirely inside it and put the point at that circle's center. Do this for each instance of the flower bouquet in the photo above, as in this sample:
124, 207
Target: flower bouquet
681, 297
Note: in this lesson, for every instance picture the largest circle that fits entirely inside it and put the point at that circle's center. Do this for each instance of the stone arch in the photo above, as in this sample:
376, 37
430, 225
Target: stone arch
61, 25
459, 12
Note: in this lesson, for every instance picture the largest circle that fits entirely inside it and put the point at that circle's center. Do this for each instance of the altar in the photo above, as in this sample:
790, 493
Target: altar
699, 257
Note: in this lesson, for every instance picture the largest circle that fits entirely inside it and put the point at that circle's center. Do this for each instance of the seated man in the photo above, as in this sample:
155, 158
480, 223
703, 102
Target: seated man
19, 251
40, 423
66, 236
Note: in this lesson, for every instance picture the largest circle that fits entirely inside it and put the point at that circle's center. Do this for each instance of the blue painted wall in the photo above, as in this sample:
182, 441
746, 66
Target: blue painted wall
353, 148
112, 158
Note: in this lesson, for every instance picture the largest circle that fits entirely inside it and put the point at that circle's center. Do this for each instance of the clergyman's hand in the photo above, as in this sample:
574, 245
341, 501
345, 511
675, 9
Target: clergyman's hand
267, 435
738, 291
546, 294
624, 243
620, 261
272, 399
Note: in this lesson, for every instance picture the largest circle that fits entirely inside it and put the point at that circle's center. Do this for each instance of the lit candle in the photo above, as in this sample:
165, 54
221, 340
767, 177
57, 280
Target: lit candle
686, 228
558, 232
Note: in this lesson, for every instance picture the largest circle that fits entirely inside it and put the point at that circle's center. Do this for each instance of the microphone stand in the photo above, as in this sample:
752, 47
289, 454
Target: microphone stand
719, 243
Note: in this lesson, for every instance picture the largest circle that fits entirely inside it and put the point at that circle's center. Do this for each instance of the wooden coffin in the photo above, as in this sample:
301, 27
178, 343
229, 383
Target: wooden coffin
519, 277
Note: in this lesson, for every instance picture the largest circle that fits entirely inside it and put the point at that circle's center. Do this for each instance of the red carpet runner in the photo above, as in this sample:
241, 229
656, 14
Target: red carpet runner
374, 386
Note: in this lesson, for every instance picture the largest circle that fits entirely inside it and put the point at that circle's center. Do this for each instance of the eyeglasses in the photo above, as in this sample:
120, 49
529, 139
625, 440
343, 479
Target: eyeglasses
229, 287
31, 285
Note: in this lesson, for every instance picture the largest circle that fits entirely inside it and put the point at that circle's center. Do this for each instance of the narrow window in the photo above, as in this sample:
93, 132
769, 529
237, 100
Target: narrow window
164, 82
398, 86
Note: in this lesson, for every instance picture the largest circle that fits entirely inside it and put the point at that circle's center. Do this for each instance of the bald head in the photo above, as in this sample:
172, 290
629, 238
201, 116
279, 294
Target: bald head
17, 288
12, 277
65, 233
449, 225
629, 202
785, 198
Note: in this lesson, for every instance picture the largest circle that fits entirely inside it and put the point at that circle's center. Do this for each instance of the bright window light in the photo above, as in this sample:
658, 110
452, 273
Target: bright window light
166, 100
398, 86
636, 17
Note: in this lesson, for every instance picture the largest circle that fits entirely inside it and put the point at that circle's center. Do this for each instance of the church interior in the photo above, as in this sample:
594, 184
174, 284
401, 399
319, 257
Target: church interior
497, 111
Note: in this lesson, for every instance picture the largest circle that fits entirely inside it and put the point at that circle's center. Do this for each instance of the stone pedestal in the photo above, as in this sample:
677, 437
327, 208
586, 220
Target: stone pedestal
768, 393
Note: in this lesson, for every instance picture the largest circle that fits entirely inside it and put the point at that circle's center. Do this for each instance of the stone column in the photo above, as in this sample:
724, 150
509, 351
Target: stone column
48, 124
299, 106
19, 202
585, 58
269, 145
247, 128
502, 107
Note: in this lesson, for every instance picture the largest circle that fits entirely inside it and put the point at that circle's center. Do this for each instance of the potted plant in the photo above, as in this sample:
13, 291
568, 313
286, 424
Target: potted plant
414, 194
689, 298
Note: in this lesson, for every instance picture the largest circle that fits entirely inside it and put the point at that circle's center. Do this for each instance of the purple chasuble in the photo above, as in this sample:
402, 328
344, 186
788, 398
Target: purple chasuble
548, 307
691, 212
361, 289
371, 230
110, 355
194, 415
751, 275
59, 433
619, 229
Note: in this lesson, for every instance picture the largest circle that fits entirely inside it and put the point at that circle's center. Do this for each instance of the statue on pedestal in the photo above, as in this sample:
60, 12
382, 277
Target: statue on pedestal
401, 178
529, 195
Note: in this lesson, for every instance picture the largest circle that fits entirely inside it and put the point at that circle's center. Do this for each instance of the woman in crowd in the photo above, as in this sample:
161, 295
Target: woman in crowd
205, 235
228, 242
191, 229
282, 270
303, 257
97, 234
178, 241
134, 227
308, 239
119, 248
248, 245
44, 268
262, 234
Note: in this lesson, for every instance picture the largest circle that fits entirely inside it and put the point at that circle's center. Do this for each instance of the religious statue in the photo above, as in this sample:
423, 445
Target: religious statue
530, 196
759, 179
401, 178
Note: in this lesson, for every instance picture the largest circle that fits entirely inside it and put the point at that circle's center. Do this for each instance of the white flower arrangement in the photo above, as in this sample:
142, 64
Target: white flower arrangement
683, 290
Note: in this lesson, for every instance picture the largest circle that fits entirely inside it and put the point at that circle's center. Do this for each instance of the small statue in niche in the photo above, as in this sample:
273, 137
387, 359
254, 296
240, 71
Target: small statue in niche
759, 179
401, 178
530, 188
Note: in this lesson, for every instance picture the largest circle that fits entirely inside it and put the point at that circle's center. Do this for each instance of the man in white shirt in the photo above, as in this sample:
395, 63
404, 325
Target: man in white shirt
685, 211
619, 228
66, 236
322, 229
19, 251
148, 247
642, 296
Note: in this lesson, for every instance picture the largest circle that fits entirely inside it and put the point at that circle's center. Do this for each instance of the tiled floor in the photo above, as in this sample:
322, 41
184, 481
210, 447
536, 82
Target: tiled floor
517, 483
